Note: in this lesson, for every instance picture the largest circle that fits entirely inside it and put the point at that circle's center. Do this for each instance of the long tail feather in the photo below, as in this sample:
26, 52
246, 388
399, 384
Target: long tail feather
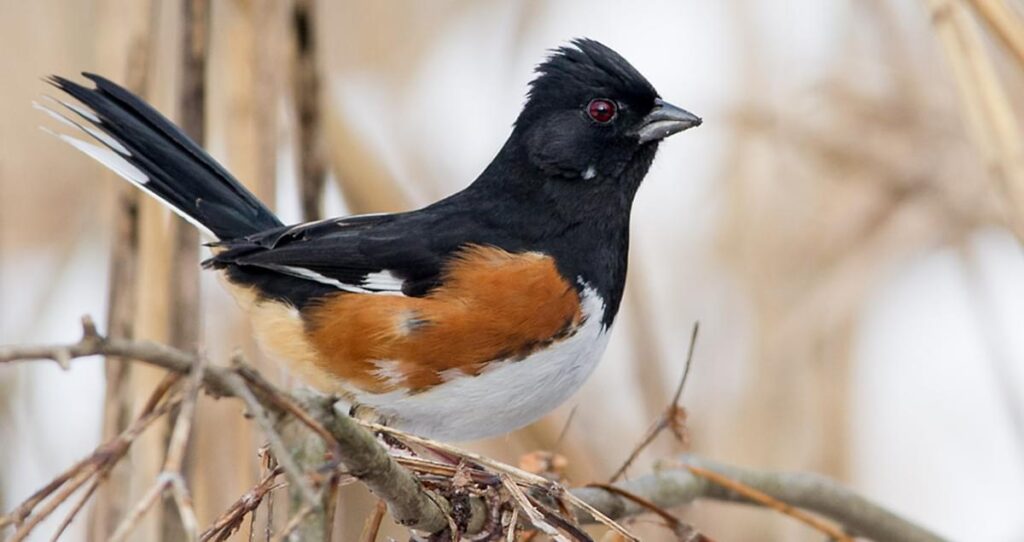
141, 145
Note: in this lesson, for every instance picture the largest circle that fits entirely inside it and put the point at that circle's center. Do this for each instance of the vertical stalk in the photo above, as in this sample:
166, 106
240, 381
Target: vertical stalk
183, 317
306, 88
112, 497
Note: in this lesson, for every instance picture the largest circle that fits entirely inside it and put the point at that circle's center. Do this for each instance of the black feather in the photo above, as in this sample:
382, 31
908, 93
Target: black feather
179, 171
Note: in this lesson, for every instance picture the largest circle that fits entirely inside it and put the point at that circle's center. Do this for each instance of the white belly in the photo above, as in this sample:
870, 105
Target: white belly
505, 396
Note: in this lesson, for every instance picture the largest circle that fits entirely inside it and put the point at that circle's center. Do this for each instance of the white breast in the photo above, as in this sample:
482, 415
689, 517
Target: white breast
505, 396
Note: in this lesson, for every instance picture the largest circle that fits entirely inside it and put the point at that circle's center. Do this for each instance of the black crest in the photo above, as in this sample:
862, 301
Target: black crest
587, 64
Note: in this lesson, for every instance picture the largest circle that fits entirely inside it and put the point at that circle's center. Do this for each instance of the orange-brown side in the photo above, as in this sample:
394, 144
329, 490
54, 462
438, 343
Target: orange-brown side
492, 305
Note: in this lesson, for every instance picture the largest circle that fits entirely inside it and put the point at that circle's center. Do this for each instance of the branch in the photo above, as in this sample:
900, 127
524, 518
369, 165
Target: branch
674, 487
672, 416
410, 504
430, 510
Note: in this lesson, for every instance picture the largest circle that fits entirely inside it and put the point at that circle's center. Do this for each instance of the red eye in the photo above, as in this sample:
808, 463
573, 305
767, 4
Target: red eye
601, 110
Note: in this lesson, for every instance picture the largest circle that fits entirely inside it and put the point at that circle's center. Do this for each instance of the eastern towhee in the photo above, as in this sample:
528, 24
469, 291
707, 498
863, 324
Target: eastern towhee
467, 318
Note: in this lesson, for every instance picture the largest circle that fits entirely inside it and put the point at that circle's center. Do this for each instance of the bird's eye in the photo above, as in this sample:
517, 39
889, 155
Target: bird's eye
601, 110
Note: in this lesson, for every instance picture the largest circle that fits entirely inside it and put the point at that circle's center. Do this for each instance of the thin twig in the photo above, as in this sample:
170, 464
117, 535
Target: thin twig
674, 485
597, 515
524, 504
1006, 24
668, 418
231, 519
73, 478
372, 525
111, 461
411, 504
294, 522
329, 502
176, 448
673, 523
283, 401
291, 469
770, 502
171, 479
513, 525
80, 504
136, 513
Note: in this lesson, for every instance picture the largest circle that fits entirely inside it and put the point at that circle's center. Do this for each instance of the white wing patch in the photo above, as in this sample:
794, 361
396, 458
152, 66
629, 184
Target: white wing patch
309, 274
383, 281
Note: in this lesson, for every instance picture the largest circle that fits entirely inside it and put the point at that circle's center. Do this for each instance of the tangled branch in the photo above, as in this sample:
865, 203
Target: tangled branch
427, 486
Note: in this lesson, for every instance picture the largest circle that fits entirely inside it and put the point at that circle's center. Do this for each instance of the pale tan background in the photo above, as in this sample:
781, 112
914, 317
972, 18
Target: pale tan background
832, 226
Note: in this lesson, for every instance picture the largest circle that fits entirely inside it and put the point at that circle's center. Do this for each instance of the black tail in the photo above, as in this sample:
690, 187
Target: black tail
144, 147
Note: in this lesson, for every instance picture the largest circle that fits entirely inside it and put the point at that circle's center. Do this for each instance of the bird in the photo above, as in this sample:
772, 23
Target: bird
468, 318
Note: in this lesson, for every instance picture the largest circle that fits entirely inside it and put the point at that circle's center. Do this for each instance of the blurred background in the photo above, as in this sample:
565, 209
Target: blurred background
842, 226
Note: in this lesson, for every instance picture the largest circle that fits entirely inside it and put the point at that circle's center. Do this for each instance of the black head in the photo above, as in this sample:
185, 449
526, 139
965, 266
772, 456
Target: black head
590, 115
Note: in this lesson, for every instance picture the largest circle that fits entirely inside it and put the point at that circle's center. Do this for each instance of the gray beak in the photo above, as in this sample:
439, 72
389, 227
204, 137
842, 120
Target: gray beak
664, 120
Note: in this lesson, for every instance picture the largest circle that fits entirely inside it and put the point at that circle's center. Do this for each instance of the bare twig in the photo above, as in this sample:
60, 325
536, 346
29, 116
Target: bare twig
281, 454
409, 502
73, 478
536, 518
768, 501
232, 518
372, 525
985, 104
306, 91
682, 530
171, 479
669, 418
135, 514
122, 312
414, 506
183, 281
513, 525
676, 486
1005, 22
283, 401
598, 516
110, 461
294, 522
177, 447
329, 504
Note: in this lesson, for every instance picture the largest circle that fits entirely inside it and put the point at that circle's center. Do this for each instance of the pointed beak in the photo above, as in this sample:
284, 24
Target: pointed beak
664, 120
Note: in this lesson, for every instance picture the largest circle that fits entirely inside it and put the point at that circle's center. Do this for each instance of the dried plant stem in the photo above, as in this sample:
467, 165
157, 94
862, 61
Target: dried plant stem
536, 518
306, 90
372, 525
294, 522
682, 530
109, 453
184, 282
1006, 24
113, 494
985, 104
770, 502
409, 502
171, 479
231, 519
669, 417
281, 454
675, 485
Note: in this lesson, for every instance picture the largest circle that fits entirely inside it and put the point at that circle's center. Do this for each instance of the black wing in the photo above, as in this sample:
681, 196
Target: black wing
399, 254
